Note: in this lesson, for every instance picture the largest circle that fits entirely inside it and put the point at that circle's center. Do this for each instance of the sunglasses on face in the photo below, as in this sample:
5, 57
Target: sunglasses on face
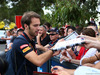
52, 34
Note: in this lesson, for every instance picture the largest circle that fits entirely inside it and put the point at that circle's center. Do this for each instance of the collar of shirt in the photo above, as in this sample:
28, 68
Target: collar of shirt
27, 38
31, 42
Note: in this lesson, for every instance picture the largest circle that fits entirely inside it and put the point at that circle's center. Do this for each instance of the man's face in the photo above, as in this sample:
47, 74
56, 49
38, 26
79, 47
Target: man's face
53, 36
34, 27
42, 30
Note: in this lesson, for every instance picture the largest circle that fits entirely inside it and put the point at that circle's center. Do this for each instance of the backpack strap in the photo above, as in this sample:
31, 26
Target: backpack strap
24, 63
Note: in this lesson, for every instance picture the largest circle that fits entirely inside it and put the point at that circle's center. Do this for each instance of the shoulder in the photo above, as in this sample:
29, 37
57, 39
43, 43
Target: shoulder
93, 50
50, 42
21, 45
82, 48
20, 40
47, 37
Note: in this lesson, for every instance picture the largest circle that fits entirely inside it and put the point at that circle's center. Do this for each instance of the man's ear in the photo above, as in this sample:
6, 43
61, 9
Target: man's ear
25, 26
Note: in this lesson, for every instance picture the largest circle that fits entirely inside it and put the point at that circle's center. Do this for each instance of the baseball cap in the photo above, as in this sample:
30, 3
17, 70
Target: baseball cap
54, 30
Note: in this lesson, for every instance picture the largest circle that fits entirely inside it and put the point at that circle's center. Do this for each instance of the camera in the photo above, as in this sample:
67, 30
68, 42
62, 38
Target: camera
3, 63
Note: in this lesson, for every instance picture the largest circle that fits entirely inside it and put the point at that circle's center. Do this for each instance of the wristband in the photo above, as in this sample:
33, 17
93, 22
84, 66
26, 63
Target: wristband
97, 57
53, 51
69, 60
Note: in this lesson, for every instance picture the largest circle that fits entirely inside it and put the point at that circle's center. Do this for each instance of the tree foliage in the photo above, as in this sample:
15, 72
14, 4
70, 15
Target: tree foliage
18, 7
73, 12
63, 11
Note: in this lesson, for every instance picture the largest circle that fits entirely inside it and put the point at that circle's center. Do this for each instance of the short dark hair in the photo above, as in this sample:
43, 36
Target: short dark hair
71, 27
20, 30
15, 27
26, 18
88, 32
47, 24
61, 31
43, 27
79, 29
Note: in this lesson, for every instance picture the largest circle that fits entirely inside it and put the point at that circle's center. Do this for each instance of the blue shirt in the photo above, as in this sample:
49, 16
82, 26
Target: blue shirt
23, 46
51, 43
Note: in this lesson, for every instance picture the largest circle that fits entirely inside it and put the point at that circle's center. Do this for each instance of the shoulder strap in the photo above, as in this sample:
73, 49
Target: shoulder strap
24, 63
22, 37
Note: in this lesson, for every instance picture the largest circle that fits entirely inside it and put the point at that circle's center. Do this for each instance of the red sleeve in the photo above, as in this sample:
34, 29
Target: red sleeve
81, 53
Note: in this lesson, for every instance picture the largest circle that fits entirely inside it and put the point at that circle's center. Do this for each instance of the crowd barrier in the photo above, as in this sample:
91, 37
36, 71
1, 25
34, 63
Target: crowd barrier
54, 61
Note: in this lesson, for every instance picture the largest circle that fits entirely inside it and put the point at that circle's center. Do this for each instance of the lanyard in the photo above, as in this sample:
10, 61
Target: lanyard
30, 43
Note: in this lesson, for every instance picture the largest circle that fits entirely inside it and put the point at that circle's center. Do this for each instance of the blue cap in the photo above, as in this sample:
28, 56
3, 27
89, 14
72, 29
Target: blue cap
54, 30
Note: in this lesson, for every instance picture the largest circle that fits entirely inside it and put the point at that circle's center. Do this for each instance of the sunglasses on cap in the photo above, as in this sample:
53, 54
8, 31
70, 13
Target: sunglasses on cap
52, 34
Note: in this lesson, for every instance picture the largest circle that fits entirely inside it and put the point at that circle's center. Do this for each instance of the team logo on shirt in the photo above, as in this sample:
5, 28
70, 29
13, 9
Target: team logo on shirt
22, 46
26, 49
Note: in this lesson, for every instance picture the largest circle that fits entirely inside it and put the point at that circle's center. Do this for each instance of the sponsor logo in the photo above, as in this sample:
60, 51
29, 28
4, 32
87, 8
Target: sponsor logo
26, 49
22, 46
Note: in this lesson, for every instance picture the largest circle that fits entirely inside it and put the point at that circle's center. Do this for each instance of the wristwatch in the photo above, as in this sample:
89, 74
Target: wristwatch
53, 51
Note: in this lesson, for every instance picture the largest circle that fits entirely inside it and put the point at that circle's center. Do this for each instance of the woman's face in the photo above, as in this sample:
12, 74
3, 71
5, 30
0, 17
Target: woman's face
8, 33
70, 31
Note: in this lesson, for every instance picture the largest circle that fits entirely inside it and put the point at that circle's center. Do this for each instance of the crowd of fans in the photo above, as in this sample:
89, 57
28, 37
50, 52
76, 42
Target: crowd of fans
48, 36
11, 35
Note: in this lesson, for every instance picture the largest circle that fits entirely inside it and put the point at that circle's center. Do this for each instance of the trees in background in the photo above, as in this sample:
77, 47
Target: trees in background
10, 8
72, 12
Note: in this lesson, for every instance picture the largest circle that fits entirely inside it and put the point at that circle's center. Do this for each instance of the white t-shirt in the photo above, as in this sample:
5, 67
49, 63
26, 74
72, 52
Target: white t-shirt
90, 52
8, 41
84, 70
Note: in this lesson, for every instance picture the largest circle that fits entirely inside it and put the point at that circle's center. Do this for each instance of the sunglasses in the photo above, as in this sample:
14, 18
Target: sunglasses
52, 34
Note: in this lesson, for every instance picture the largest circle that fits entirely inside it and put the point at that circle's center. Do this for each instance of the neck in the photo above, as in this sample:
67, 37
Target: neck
78, 48
43, 36
30, 37
54, 40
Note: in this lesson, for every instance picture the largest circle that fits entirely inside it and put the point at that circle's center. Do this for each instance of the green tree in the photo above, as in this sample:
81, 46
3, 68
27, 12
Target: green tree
72, 12
4, 11
18, 7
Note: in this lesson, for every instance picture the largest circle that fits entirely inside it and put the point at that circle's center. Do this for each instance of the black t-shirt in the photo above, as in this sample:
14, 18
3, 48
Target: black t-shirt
22, 46
45, 41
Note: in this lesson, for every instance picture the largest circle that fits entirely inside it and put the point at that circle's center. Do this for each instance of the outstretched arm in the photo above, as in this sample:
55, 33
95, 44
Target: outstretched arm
62, 71
40, 59
70, 60
90, 42
91, 59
